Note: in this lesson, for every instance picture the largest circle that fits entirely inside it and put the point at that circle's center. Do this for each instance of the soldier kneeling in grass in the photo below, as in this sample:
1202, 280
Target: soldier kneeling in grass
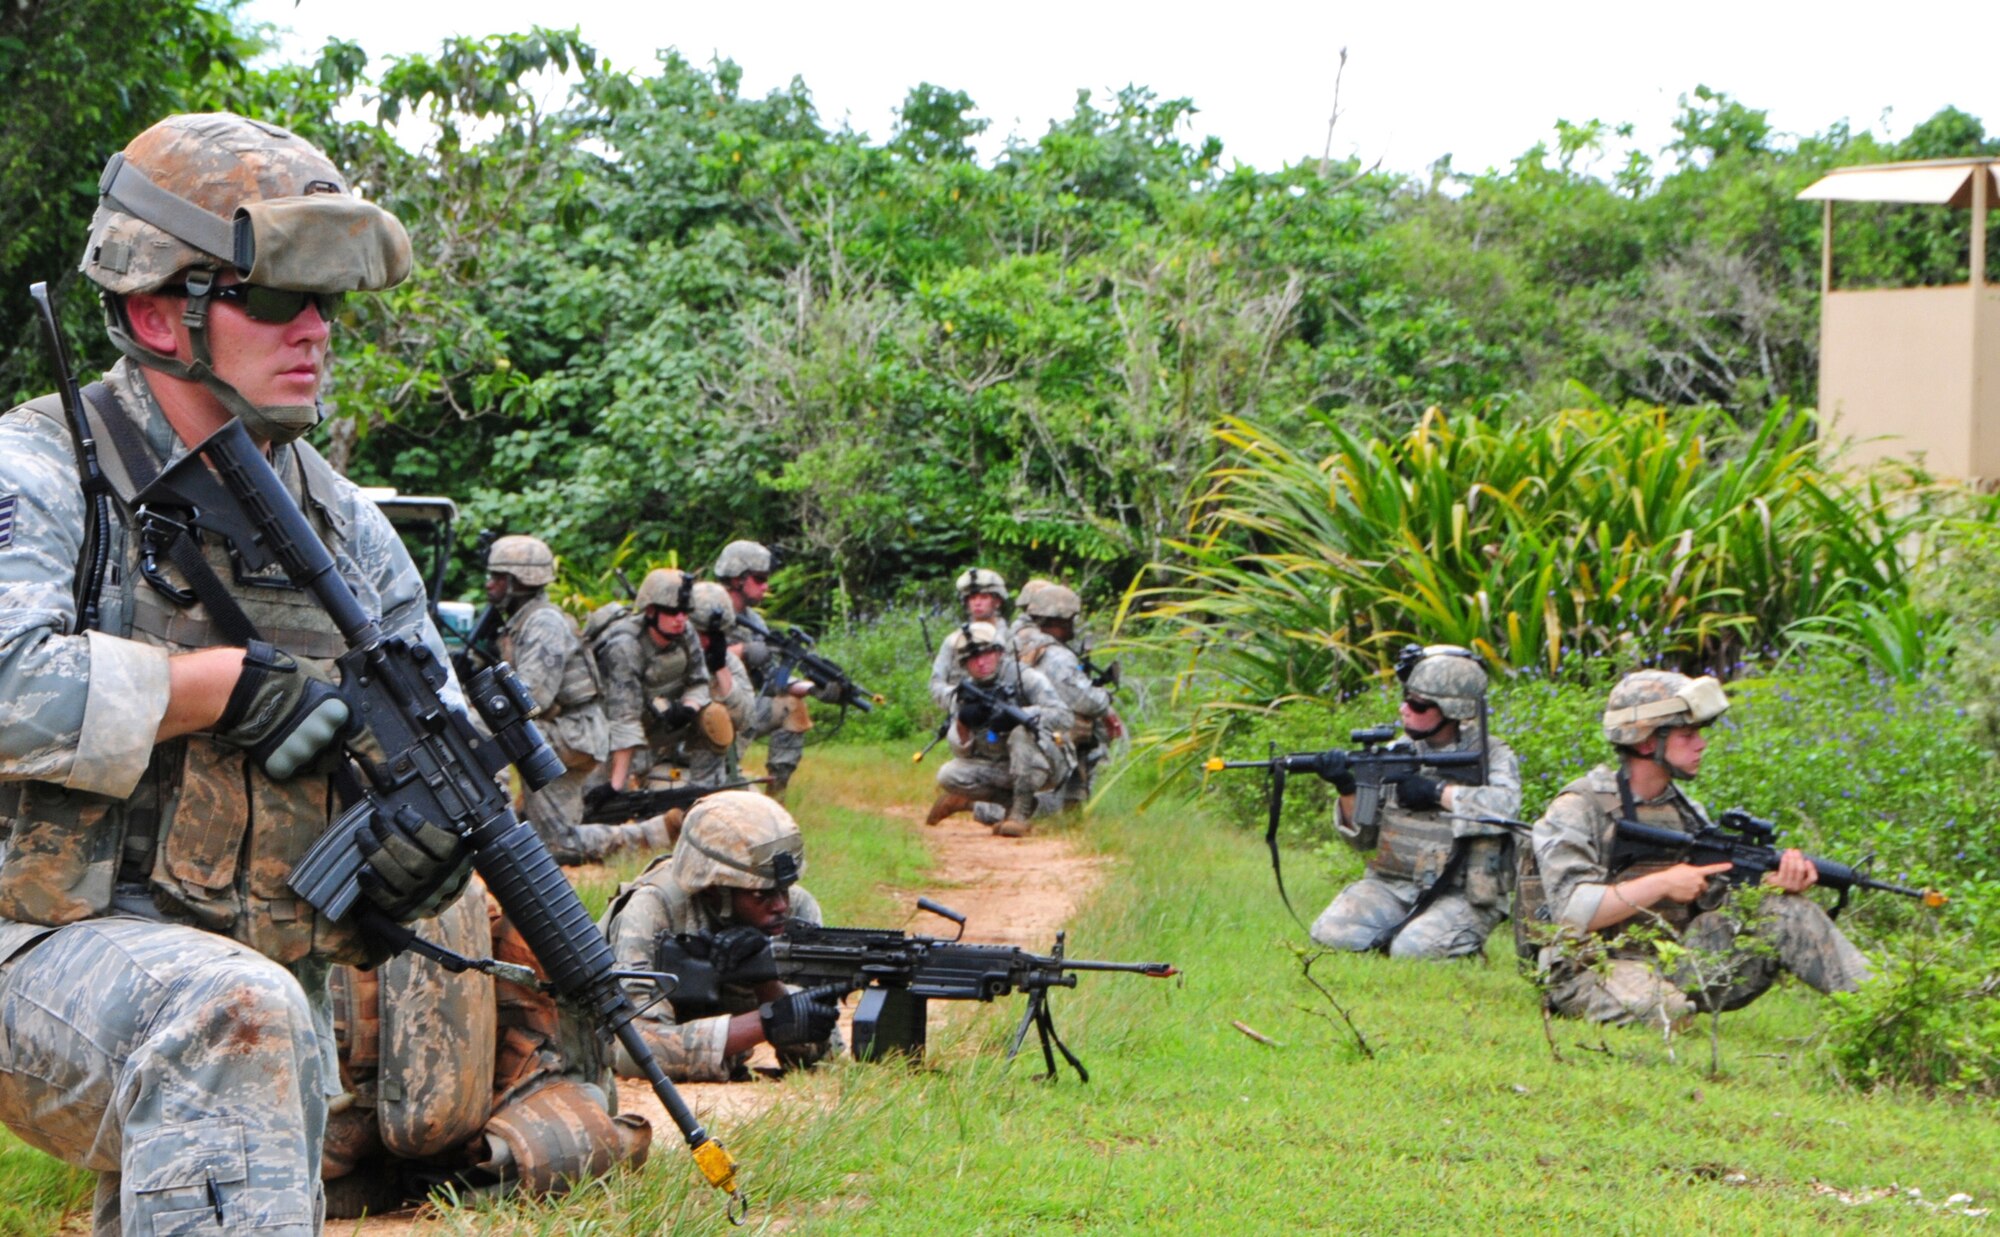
1603, 919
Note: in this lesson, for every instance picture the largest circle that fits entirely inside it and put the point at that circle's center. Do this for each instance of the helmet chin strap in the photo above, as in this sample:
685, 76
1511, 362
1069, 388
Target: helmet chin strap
273, 423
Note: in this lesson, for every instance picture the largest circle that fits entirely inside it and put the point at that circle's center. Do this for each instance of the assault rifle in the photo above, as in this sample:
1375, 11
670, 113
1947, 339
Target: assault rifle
429, 763
796, 652
1745, 842
1109, 676
605, 806
482, 643
1382, 760
899, 973
992, 710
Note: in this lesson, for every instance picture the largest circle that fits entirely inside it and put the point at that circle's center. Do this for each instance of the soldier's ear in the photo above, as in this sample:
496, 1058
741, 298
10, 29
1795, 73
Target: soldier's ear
152, 320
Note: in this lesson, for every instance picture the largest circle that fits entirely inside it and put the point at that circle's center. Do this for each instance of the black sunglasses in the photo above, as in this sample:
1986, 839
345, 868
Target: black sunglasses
272, 305
1419, 706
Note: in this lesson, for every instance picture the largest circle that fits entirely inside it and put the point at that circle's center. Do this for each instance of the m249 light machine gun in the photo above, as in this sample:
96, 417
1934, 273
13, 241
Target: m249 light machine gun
1378, 759
900, 973
429, 766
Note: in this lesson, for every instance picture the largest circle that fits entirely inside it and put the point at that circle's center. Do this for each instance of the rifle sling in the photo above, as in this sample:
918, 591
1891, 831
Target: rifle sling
1445, 878
137, 462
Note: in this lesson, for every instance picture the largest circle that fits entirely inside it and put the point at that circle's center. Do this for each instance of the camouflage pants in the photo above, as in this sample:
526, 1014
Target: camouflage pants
555, 810
1451, 926
1031, 766
1733, 965
767, 720
184, 1069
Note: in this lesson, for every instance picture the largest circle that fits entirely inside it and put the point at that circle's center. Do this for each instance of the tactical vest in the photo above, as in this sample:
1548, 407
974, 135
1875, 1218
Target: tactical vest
1416, 846
206, 829
1533, 918
575, 719
664, 674
1030, 642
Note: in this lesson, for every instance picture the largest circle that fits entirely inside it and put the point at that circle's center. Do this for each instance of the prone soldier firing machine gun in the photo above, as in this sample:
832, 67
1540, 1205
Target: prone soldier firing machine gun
430, 776
1380, 759
898, 973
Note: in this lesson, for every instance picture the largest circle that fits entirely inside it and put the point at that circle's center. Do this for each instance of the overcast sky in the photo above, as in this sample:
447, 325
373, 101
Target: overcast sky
1482, 82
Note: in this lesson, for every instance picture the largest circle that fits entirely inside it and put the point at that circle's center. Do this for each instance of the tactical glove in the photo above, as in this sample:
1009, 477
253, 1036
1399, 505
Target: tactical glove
280, 714
801, 1019
743, 956
675, 716
1420, 793
974, 713
595, 795
1333, 768
414, 867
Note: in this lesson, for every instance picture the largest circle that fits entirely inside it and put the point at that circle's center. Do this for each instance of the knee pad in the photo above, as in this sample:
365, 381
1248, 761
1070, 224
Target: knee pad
560, 1134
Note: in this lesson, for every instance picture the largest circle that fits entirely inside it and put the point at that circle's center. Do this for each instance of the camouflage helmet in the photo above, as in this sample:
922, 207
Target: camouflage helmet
975, 638
740, 558
527, 559
1451, 675
1054, 601
666, 589
226, 192
711, 610
1647, 701
740, 840
980, 580
1026, 597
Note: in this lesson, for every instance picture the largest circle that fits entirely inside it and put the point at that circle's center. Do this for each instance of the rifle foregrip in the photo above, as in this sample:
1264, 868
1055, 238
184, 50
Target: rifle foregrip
540, 901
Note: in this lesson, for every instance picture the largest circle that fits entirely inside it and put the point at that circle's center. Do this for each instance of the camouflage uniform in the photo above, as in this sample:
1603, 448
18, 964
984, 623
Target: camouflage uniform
661, 901
643, 680
543, 645
776, 715
466, 1079
1007, 769
1413, 848
1619, 981
1604, 976
191, 1070
1034, 648
948, 667
715, 615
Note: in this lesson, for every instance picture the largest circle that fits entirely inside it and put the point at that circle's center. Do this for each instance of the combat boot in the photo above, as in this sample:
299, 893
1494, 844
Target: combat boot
1014, 827
1020, 816
946, 804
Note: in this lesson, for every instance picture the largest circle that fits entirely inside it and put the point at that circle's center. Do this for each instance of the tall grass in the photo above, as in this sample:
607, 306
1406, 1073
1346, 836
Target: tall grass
1625, 536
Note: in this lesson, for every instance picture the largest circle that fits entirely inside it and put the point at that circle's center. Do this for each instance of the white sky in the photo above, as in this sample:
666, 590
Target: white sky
1481, 81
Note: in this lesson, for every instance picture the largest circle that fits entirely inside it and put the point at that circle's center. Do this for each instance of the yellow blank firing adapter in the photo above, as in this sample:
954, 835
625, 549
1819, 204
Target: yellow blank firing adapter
1935, 898
1213, 764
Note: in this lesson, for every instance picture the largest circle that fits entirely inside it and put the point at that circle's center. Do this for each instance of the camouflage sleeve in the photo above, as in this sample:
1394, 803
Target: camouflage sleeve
697, 693
1062, 668
78, 710
944, 672
1567, 852
541, 647
1042, 694
623, 698
379, 556
740, 700
1500, 796
689, 1051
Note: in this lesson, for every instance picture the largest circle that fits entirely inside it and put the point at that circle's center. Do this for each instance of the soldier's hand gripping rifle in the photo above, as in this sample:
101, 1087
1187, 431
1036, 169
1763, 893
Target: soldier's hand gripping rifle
430, 766
794, 653
1745, 843
1380, 759
899, 973
605, 806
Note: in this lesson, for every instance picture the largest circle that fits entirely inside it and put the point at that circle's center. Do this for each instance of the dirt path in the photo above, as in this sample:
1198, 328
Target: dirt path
1012, 891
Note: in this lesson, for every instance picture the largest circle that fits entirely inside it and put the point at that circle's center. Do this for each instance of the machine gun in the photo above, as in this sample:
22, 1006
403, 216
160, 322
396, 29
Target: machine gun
429, 763
1745, 843
899, 973
795, 652
605, 806
1381, 760
482, 643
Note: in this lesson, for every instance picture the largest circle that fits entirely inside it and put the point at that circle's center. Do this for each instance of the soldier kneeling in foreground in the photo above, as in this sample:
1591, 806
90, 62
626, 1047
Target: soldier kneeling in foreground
1655, 720
1007, 731
733, 877
464, 1080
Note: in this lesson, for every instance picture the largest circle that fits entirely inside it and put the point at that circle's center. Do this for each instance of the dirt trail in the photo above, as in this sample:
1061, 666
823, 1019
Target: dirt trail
1012, 891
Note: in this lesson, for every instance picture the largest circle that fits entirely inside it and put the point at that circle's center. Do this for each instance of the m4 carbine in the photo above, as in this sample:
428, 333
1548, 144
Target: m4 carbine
1745, 843
991, 709
605, 806
428, 763
899, 973
795, 653
1379, 759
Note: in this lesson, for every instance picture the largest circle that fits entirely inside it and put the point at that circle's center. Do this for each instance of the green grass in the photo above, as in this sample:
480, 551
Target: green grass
1462, 1121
